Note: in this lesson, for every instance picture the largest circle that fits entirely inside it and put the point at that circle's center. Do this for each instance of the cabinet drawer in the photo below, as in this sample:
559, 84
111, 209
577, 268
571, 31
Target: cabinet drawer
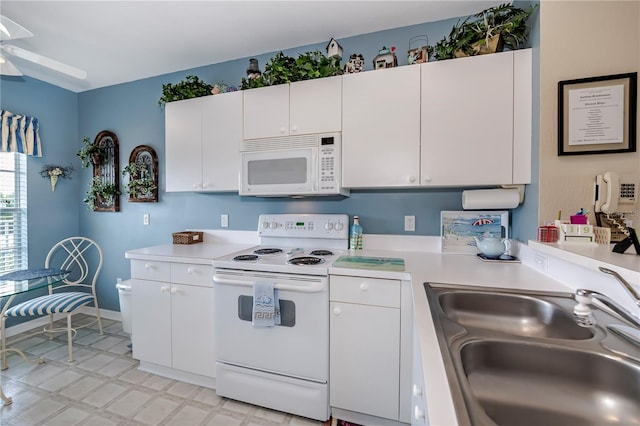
367, 291
150, 270
187, 273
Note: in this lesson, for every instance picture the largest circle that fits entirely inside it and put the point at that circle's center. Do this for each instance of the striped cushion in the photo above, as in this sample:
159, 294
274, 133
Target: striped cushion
50, 304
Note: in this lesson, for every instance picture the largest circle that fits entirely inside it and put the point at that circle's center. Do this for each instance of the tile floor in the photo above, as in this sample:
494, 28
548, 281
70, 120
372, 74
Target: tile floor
104, 387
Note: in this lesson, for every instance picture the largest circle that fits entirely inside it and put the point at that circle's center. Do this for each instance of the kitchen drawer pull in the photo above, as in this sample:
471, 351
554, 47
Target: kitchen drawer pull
148, 266
337, 311
190, 270
364, 286
164, 289
174, 290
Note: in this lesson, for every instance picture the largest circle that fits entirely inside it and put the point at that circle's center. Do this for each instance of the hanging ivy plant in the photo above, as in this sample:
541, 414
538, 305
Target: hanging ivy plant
283, 69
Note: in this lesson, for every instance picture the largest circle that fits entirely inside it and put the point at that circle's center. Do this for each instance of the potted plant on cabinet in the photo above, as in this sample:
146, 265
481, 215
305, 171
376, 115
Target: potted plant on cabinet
486, 32
90, 153
101, 193
141, 184
190, 87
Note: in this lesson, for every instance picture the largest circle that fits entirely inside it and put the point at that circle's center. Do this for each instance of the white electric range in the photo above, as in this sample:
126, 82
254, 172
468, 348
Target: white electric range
283, 367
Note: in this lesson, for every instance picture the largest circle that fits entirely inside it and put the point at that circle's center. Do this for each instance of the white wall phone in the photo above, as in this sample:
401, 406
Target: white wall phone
616, 193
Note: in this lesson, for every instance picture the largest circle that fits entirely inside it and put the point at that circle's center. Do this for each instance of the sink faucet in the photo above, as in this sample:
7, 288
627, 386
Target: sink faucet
584, 297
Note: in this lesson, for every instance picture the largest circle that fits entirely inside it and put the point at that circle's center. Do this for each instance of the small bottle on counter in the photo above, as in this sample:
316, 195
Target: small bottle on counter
355, 241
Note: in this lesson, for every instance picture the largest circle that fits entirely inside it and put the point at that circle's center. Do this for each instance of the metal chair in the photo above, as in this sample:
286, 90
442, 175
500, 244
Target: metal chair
83, 257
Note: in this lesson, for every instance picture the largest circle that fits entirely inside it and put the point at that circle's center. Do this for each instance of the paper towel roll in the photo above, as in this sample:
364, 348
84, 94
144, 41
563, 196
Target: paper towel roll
483, 199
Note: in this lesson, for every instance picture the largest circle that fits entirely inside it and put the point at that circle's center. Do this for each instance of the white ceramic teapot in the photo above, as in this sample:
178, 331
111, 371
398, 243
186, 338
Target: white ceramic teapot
492, 247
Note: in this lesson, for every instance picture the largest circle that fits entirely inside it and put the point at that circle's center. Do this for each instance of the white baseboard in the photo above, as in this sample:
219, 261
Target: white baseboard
40, 322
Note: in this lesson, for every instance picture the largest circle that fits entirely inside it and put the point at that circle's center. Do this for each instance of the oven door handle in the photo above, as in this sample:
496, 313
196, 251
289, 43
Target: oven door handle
312, 288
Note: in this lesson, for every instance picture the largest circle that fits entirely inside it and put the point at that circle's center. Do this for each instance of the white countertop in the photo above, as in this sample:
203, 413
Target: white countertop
423, 263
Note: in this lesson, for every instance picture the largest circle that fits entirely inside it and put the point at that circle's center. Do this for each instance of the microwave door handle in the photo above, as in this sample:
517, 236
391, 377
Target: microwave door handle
315, 170
312, 288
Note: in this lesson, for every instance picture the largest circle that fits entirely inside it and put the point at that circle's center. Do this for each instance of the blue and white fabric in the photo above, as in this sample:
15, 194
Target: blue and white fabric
20, 133
58, 303
266, 305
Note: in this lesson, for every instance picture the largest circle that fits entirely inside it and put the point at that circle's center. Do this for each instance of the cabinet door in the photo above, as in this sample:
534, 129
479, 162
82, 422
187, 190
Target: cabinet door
315, 106
151, 321
192, 329
467, 121
221, 138
381, 128
183, 145
522, 110
365, 357
266, 112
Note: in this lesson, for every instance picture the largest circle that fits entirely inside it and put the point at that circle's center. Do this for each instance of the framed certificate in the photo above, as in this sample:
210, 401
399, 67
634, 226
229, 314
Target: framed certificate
597, 115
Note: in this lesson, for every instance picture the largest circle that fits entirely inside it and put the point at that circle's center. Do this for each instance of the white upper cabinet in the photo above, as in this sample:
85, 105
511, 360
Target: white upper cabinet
221, 139
381, 128
522, 110
202, 143
304, 107
183, 145
467, 121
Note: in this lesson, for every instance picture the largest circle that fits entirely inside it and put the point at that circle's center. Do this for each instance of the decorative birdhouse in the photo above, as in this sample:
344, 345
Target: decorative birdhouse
354, 64
334, 49
418, 52
386, 58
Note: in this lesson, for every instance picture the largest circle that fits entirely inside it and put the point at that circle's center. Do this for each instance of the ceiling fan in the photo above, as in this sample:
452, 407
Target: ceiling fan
10, 30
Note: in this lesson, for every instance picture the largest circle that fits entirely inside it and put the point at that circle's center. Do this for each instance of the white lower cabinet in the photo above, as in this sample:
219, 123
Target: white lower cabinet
365, 346
172, 316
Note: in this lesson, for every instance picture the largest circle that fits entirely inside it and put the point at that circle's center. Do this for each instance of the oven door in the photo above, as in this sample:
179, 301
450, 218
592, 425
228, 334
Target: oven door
298, 347
279, 173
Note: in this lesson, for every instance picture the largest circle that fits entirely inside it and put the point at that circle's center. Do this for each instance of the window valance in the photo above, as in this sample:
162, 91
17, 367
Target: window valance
20, 133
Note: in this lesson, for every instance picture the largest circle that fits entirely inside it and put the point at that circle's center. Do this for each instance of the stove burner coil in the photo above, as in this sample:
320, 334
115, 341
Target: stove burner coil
246, 258
321, 253
268, 251
305, 260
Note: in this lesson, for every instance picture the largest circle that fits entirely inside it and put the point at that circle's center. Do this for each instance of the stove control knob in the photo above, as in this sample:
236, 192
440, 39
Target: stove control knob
265, 225
274, 224
338, 226
328, 226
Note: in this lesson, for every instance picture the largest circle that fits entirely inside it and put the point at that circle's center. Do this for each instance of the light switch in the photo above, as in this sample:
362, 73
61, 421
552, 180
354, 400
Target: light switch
145, 218
224, 220
409, 223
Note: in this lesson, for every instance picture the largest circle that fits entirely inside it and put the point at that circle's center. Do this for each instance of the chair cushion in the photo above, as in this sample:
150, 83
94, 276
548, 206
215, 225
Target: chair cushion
50, 304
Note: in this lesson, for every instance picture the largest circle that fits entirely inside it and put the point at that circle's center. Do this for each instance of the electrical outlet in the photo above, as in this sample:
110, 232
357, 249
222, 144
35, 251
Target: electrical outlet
224, 220
409, 223
541, 262
145, 219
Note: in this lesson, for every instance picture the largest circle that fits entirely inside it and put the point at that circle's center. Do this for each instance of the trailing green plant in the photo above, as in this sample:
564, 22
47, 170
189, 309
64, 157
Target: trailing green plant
100, 193
190, 87
474, 34
139, 181
90, 153
283, 69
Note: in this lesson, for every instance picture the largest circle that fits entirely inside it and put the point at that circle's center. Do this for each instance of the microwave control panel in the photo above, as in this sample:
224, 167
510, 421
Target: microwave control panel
330, 166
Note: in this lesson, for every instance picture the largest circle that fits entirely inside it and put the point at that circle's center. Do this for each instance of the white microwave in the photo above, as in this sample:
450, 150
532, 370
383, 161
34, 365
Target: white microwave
301, 165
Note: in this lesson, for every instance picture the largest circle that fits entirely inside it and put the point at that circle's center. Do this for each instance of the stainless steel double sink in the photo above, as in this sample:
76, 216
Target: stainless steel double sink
519, 358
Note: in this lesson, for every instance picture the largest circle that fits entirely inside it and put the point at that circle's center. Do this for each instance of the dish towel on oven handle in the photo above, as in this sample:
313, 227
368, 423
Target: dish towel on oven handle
266, 305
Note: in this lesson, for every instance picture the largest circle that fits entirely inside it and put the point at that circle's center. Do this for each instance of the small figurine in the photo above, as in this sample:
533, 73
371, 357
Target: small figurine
253, 71
354, 64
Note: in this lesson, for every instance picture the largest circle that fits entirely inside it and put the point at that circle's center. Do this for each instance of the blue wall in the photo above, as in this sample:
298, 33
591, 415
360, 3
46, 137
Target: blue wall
131, 111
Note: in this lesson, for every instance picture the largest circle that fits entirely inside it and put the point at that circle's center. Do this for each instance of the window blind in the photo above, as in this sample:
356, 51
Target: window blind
13, 212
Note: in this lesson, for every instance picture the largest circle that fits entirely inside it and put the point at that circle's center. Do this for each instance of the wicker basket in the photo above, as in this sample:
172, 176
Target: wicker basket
187, 237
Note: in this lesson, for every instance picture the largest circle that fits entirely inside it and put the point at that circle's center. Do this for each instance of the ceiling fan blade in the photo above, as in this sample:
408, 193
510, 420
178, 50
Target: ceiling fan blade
10, 30
44, 61
7, 68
